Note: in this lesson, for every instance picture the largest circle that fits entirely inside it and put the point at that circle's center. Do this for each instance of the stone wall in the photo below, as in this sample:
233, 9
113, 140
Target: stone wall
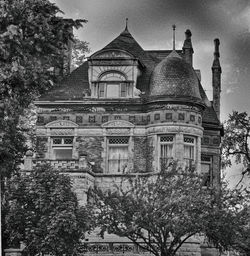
92, 147
140, 154
150, 154
41, 147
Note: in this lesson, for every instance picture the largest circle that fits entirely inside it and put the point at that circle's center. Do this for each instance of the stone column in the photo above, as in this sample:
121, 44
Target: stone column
179, 149
198, 156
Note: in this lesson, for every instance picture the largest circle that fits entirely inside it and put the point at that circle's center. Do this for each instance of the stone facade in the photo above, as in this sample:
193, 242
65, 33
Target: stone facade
125, 112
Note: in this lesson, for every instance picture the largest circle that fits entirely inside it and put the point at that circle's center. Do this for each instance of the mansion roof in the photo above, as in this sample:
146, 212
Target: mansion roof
75, 86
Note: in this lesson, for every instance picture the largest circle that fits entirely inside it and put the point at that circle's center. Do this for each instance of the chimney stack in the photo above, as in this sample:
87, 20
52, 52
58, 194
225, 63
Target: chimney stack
216, 78
188, 48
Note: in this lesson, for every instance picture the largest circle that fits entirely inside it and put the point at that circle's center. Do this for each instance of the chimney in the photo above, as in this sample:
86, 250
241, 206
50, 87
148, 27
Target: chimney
188, 48
216, 78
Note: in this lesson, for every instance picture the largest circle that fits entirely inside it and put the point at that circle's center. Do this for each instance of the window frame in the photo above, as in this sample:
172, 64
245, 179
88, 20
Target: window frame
112, 77
61, 146
208, 176
163, 163
103, 89
117, 145
190, 162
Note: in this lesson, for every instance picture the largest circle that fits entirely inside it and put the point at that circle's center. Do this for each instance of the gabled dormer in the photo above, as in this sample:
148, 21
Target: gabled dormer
113, 71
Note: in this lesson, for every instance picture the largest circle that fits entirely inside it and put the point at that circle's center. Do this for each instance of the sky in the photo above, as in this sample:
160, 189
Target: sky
150, 22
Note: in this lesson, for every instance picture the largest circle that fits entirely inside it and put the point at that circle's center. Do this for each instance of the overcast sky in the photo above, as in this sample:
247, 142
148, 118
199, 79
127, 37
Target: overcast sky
150, 22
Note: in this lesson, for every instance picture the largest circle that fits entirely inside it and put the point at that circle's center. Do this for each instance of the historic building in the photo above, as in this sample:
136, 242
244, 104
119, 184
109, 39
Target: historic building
127, 110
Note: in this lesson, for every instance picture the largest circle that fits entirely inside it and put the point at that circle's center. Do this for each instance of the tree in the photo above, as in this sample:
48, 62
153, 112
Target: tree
79, 49
160, 212
33, 43
44, 213
236, 141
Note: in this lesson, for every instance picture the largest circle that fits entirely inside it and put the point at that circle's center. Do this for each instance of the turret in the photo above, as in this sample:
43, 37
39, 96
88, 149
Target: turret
188, 48
216, 78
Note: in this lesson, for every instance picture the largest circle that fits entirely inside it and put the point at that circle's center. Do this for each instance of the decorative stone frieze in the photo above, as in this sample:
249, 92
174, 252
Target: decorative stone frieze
61, 123
65, 131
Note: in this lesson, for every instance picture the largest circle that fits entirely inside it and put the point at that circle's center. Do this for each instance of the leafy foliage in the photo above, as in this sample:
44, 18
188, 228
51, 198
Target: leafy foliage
79, 49
236, 142
44, 213
161, 212
33, 43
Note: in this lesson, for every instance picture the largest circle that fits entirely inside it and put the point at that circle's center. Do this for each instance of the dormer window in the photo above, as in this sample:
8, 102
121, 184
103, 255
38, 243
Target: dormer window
112, 85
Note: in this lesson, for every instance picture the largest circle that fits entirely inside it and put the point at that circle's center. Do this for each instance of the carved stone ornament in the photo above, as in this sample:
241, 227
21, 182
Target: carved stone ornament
111, 54
61, 123
118, 123
58, 131
111, 131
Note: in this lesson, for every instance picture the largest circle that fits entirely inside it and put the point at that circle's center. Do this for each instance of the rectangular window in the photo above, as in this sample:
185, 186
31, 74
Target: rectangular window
79, 119
206, 170
166, 150
40, 119
62, 148
189, 151
117, 154
113, 90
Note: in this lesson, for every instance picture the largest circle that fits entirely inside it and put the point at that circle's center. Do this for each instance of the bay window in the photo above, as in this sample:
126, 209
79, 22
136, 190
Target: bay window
189, 151
166, 150
206, 170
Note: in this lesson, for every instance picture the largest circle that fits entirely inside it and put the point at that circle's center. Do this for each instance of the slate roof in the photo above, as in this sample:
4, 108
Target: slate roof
76, 85
174, 77
73, 87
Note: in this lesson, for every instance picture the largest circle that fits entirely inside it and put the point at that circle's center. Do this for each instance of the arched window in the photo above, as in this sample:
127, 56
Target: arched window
112, 85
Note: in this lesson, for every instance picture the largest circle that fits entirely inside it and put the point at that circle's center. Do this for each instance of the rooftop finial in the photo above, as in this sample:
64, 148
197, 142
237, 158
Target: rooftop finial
174, 36
126, 28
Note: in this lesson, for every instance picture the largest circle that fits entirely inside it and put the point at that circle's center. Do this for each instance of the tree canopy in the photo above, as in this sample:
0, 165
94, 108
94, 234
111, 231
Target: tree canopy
161, 212
34, 41
236, 141
43, 212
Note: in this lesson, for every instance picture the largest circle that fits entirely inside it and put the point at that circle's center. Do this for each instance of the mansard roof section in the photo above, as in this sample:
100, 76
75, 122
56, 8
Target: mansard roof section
126, 42
159, 55
73, 87
209, 116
